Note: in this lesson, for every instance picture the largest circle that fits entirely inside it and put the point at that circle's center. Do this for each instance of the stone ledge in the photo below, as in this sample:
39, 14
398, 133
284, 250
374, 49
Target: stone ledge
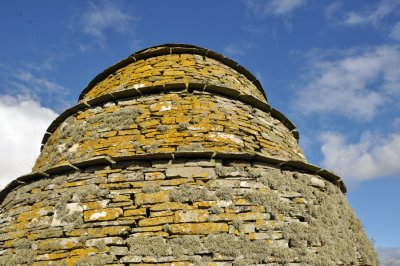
104, 160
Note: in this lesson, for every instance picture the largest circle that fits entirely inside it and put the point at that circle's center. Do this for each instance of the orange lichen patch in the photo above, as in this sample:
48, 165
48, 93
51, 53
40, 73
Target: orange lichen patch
100, 232
58, 243
156, 221
191, 216
151, 198
83, 252
168, 69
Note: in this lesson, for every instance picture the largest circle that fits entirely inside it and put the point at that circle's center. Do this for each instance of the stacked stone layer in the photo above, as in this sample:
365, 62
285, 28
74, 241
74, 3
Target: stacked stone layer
174, 157
182, 212
166, 123
174, 68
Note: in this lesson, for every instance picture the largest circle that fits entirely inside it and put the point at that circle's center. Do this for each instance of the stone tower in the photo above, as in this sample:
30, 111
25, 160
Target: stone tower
174, 156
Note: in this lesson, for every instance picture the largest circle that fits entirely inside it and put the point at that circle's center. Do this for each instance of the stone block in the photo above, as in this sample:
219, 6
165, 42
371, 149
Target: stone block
151, 198
198, 228
102, 214
156, 221
169, 206
190, 172
188, 216
317, 182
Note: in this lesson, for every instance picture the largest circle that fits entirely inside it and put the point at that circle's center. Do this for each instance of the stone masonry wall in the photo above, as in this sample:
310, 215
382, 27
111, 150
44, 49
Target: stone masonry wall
173, 156
165, 123
181, 212
175, 68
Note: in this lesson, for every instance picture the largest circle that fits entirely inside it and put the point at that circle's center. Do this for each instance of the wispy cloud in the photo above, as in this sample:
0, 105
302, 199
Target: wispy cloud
23, 122
237, 48
32, 80
47, 64
261, 8
372, 156
355, 84
373, 14
105, 16
395, 32
39, 83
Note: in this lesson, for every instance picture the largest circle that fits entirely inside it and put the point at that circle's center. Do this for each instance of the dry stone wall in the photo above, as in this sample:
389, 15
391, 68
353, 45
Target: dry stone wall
181, 212
173, 156
175, 68
166, 123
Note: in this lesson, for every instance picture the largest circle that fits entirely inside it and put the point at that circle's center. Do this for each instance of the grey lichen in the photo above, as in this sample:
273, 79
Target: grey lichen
187, 193
182, 126
270, 201
96, 260
192, 147
24, 253
162, 128
153, 147
215, 210
186, 245
148, 246
151, 188
224, 194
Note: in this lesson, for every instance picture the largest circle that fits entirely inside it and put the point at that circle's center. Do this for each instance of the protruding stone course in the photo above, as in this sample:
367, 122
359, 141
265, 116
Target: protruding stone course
174, 157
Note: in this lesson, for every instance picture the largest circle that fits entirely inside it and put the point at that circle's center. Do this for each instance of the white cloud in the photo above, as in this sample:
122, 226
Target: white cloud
373, 15
272, 7
354, 85
331, 9
23, 123
102, 17
395, 33
389, 256
373, 156
40, 83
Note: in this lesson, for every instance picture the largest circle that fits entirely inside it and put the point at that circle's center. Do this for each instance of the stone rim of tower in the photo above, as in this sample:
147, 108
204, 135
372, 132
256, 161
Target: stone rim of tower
174, 48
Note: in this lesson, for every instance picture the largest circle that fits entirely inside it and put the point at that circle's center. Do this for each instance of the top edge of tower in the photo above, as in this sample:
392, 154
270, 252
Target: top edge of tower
170, 49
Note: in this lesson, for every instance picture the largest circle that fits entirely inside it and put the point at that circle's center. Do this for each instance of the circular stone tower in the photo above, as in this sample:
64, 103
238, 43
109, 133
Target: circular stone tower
173, 156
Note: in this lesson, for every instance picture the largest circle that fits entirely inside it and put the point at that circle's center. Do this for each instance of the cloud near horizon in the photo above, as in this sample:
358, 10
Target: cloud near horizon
23, 122
372, 156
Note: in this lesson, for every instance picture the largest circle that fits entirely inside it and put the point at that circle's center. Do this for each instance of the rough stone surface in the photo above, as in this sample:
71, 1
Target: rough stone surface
175, 68
185, 178
215, 124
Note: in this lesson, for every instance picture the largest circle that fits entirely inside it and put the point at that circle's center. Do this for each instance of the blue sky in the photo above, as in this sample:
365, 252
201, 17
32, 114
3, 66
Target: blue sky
333, 67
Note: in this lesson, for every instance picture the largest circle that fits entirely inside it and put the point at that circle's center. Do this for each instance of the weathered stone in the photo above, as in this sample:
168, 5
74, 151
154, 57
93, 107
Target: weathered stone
131, 259
190, 172
198, 228
102, 214
191, 216
151, 198
317, 182
156, 221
